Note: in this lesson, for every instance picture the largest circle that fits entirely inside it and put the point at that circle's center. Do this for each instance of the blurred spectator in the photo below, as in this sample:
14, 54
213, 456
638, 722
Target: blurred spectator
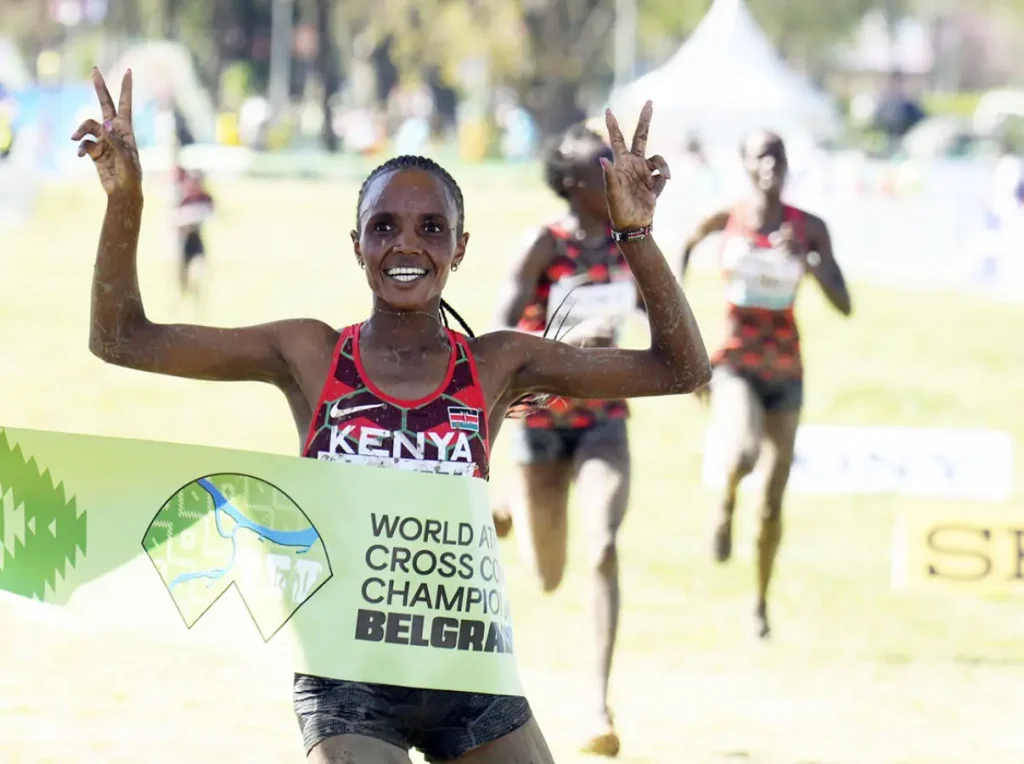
693, 152
446, 102
897, 112
182, 132
409, 101
412, 136
195, 207
361, 130
518, 132
1007, 193
999, 245
253, 122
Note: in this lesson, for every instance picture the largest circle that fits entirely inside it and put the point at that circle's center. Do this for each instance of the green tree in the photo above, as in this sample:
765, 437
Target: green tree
806, 33
327, 68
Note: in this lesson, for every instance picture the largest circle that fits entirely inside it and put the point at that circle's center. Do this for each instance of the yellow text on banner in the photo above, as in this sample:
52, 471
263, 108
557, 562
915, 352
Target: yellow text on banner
977, 551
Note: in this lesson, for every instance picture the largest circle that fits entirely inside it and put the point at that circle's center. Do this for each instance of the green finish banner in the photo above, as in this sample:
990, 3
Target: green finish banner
355, 572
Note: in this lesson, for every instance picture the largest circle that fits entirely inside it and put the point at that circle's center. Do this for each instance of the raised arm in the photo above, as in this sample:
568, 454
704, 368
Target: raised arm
711, 224
824, 267
120, 333
522, 279
676, 361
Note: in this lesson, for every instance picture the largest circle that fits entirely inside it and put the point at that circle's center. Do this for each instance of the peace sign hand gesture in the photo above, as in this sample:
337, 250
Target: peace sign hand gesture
113, 149
633, 182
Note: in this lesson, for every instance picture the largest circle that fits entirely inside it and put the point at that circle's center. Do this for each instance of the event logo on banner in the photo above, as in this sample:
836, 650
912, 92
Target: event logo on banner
356, 572
925, 462
980, 551
236, 530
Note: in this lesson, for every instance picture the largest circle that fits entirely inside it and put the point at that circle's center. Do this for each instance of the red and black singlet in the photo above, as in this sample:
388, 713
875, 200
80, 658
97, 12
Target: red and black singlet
761, 285
357, 423
595, 289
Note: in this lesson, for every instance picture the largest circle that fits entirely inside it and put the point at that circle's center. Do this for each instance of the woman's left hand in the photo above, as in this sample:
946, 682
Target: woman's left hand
632, 182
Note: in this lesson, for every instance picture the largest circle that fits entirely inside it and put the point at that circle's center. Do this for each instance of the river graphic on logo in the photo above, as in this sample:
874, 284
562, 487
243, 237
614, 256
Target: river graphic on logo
236, 530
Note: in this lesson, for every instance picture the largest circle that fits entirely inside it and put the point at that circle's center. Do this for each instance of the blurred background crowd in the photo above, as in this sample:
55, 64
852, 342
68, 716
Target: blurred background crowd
876, 98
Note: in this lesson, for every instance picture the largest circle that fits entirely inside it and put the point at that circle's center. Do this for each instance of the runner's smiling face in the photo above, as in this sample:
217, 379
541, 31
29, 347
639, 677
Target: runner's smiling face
409, 237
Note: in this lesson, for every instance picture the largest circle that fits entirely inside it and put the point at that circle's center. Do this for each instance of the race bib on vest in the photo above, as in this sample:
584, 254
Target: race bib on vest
572, 302
757, 277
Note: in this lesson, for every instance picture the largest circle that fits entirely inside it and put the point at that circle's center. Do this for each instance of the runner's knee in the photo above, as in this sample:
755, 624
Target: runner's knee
604, 556
603, 484
605, 505
549, 533
743, 458
771, 507
775, 487
539, 507
771, 515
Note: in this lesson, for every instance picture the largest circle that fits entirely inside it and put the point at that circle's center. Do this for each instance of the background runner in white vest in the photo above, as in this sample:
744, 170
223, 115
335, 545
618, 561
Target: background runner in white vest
758, 385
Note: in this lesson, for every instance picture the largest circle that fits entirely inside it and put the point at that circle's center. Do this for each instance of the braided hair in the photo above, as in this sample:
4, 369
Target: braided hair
411, 162
564, 153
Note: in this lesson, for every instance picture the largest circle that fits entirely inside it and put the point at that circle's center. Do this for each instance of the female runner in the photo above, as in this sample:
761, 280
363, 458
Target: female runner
573, 280
400, 365
758, 385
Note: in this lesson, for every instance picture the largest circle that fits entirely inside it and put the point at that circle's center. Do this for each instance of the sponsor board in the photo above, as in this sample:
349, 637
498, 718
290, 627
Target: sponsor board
924, 462
977, 550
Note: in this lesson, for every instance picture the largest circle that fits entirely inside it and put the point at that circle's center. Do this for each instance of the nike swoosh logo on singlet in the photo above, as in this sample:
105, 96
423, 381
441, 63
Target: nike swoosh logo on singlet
337, 413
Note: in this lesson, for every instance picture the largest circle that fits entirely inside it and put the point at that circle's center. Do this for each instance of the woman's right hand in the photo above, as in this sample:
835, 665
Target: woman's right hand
112, 144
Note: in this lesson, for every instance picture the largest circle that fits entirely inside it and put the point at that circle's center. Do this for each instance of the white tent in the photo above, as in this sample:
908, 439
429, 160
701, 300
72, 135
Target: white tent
164, 70
726, 80
14, 75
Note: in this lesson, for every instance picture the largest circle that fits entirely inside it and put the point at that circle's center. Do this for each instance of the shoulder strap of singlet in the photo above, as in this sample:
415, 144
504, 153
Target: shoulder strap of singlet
569, 246
564, 243
798, 219
559, 231
343, 334
462, 341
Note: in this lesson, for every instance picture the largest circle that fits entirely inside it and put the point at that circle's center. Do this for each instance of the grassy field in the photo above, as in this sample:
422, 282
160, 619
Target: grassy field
856, 673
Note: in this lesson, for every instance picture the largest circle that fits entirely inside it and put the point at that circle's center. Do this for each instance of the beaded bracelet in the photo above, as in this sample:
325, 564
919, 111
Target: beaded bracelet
632, 234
